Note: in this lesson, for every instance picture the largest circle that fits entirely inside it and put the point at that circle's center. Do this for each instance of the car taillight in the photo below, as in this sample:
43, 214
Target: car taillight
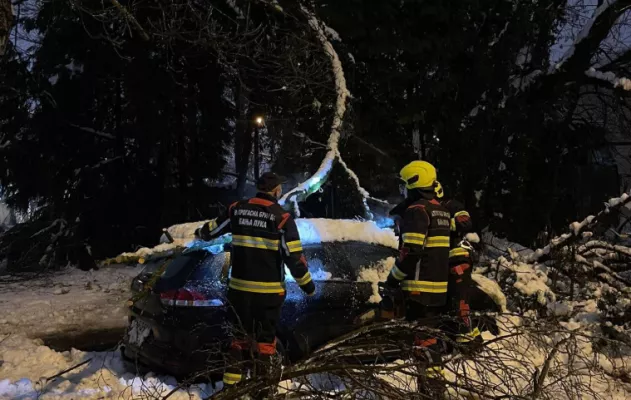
188, 298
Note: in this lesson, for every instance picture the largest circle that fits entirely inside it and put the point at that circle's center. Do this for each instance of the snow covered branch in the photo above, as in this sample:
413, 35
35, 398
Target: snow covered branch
576, 61
578, 228
303, 190
584, 33
624, 83
94, 132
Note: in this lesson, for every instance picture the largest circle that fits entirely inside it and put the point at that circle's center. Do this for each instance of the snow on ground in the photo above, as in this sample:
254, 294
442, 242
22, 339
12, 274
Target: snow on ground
531, 280
27, 364
523, 348
507, 367
496, 247
491, 288
66, 302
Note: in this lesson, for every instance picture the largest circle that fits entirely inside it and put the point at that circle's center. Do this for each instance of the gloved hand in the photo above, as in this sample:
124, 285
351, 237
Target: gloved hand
386, 303
385, 291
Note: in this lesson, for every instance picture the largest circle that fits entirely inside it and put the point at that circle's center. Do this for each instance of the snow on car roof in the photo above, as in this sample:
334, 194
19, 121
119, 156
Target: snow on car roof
312, 231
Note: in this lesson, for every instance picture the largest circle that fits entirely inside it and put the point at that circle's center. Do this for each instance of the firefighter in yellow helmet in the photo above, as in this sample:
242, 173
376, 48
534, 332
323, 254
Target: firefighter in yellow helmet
460, 270
422, 270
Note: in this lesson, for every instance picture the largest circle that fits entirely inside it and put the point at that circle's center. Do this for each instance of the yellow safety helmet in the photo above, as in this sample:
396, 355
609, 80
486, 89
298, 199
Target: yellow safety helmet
439, 190
419, 175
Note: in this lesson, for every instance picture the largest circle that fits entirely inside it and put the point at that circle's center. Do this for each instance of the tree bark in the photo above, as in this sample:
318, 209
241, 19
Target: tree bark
243, 139
6, 21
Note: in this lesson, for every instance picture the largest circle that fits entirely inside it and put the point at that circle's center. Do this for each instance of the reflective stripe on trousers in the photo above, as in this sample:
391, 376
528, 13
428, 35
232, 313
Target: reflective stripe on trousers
424, 286
256, 287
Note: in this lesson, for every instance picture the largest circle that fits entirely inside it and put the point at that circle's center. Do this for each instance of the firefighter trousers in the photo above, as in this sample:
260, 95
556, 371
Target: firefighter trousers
428, 348
460, 271
253, 320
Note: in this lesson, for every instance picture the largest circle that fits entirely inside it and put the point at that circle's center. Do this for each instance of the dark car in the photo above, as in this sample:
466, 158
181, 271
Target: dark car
178, 312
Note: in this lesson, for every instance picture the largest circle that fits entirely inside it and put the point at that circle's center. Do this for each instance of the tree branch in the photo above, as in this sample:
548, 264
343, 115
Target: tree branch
131, 19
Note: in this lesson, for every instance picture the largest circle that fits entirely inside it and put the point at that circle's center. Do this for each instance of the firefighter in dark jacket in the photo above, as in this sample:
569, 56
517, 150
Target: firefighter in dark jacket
422, 270
460, 269
264, 239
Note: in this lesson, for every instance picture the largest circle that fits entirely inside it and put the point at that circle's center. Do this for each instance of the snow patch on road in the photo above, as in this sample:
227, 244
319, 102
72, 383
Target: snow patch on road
27, 364
68, 301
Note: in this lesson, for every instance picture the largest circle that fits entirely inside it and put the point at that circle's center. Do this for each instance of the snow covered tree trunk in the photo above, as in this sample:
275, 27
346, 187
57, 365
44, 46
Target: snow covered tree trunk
333, 156
6, 20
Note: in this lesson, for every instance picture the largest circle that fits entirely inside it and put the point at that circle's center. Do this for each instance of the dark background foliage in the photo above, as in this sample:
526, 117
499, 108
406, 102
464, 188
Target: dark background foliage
121, 118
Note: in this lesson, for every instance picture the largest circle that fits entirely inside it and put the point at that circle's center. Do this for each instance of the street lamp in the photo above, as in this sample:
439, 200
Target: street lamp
257, 161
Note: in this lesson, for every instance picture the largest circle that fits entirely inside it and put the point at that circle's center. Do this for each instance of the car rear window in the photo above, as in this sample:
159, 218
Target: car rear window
196, 265
211, 268
328, 262
364, 255
344, 260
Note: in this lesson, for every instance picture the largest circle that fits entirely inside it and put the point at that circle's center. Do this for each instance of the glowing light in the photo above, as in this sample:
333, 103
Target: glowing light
384, 222
214, 249
259, 121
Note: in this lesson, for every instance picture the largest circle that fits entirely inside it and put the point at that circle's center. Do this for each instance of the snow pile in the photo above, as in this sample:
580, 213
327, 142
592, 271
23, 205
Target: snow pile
28, 364
531, 280
472, 237
375, 274
184, 231
67, 302
313, 231
161, 248
491, 288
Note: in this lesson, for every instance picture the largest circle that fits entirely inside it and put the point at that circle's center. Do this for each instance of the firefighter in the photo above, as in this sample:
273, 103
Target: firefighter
264, 239
460, 270
422, 270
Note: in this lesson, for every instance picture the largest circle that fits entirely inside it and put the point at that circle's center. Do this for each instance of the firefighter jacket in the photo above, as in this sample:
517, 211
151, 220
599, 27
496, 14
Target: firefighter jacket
460, 270
460, 221
422, 267
264, 239
460, 225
